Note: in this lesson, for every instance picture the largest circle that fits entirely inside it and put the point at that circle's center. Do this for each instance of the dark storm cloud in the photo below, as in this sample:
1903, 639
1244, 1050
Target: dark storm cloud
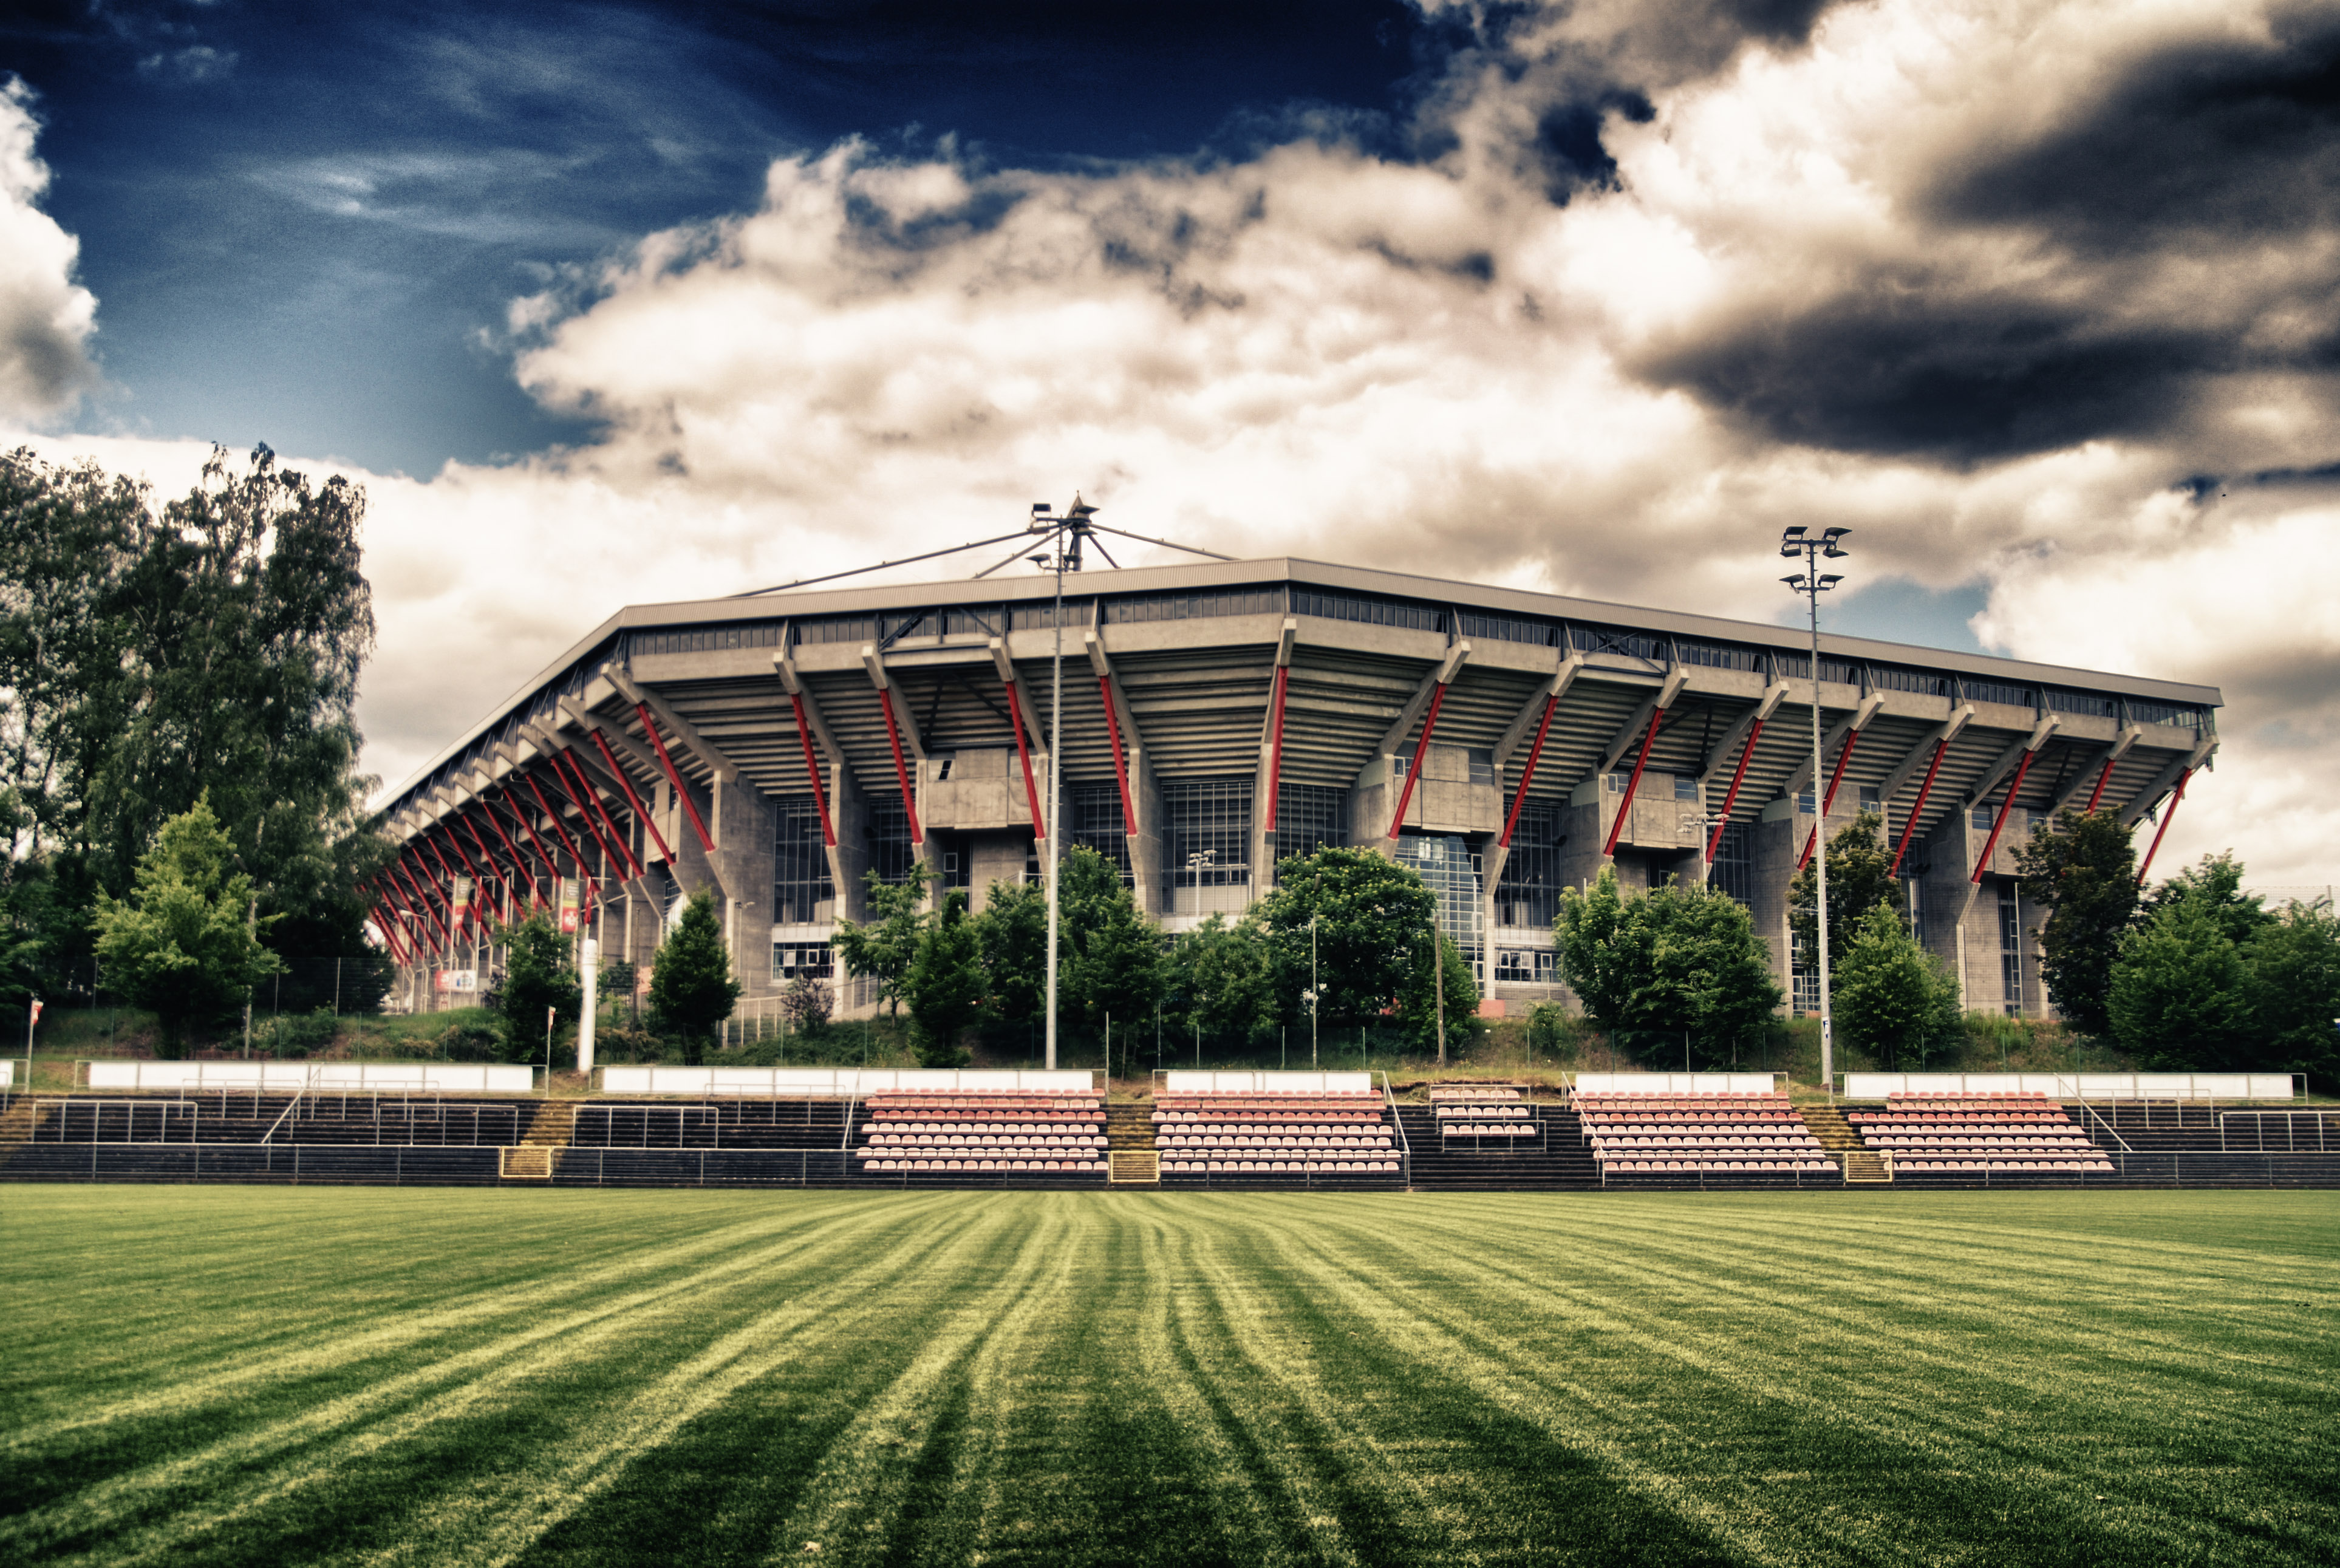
2086, 282
2231, 140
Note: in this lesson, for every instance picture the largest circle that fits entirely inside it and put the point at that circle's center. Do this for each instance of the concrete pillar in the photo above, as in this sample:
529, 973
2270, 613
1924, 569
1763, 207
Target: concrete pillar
742, 824
848, 858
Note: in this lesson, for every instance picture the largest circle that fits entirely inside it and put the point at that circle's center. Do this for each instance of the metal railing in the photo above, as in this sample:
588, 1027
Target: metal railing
2289, 1121
1405, 1147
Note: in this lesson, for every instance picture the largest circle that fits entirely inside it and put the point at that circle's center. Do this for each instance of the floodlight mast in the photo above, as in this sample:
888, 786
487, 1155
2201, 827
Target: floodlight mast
1065, 535
1798, 543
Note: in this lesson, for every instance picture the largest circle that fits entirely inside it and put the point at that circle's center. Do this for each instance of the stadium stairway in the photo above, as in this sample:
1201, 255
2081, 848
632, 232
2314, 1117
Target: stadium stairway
1861, 1166
1439, 1165
1132, 1157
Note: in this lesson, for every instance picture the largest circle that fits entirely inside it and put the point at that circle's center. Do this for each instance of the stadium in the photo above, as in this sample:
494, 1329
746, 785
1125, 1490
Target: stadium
1215, 716
431, 1310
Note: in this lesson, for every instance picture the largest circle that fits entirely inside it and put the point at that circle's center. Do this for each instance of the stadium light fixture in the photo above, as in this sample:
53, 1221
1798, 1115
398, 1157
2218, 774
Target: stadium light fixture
1798, 542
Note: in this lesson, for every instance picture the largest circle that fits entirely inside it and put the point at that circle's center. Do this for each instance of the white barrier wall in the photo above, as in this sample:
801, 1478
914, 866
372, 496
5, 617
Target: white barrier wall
2078, 1086
838, 1081
382, 1078
1192, 1082
7, 1074
1676, 1083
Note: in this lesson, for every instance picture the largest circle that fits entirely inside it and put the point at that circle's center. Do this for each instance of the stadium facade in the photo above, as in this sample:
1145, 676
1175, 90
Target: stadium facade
1506, 744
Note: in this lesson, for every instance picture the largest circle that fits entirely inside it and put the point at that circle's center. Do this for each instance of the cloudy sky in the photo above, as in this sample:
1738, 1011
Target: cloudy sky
614, 303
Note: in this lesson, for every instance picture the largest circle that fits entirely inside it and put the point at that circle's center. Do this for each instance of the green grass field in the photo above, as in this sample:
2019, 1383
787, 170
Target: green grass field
222, 1375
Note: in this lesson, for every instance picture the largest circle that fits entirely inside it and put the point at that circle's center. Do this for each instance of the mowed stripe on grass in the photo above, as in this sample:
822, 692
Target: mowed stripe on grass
246, 1376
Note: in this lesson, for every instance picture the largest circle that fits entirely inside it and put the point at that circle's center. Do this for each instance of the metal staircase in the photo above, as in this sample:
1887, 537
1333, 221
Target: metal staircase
1131, 1158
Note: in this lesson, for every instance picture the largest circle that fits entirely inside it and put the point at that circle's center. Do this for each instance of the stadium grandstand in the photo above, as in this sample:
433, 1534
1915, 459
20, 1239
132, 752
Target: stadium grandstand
773, 747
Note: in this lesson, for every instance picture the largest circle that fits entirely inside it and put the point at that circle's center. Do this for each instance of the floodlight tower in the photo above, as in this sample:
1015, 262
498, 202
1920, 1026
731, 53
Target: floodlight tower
1797, 543
1066, 536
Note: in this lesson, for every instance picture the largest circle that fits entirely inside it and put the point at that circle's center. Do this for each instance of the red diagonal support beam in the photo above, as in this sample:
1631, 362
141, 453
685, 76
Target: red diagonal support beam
596, 817
448, 871
1023, 756
1625, 806
1274, 746
901, 769
423, 903
1120, 762
1420, 749
624, 843
519, 861
673, 777
560, 827
2103, 779
1828, 801
1910, 826
812, 763
485, 858
551, 865
2155, 848
478, 881
1730, 795
643, 811
1528, 772
1999, 823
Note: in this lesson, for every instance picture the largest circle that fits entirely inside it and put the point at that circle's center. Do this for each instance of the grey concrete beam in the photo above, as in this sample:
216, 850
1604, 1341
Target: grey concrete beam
785, 666
1852, 723
2146, 798
1922, 753
2039, 735
1628, 734
576, 715
1144, 835
1725, 751
2086, 778
678, 725
1448, 668
1531, 711
904, 719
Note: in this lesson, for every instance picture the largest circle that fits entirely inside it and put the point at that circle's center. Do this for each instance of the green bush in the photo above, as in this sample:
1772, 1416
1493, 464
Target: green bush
472, 1041
291, 1036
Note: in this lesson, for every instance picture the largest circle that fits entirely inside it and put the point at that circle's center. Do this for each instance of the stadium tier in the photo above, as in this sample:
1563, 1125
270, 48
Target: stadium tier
1966, 1133
778, 750
1483, 1112
1021, 1133
1747, 1135
1272, 1134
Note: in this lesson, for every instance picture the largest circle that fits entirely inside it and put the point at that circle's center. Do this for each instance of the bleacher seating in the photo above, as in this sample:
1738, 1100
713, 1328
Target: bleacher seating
1276, 1134
1949, 1133
216, 1117
1653, 1134
998, 1133
1480, 1111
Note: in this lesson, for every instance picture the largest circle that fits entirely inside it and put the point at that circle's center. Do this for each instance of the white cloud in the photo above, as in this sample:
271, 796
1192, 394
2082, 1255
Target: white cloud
45, 319
1813, 290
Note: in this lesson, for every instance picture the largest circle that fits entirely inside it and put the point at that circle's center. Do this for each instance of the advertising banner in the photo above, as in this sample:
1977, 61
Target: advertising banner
571, 914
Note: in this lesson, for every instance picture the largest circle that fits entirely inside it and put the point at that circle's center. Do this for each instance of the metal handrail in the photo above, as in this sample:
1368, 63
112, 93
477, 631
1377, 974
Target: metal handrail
2113, 1133
307, 1078
2319, 1118
1405, 1145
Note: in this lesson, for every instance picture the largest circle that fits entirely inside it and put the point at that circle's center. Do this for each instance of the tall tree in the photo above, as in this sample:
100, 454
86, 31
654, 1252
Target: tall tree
945, 985
1450, 992
2180, 996
1111, 956
1370, 915
2082, 869
1217, 984
539, 976
884, 948
2214, 885
691, 984
247, 621
1681, 963
184, 944
1895, 1000
2296, 993
1012, 935
1859, 869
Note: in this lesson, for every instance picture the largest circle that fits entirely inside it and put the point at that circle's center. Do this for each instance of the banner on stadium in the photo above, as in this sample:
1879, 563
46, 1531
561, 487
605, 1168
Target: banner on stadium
459, 980
571, 916
463, 899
